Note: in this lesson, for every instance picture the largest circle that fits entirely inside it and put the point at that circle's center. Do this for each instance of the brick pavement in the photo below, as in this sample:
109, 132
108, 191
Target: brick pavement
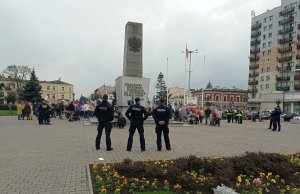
52, 159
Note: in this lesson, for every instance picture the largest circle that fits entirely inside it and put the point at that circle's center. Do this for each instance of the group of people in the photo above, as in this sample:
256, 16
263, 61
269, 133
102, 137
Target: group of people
24, 110
235, 114
275, 119
137, 114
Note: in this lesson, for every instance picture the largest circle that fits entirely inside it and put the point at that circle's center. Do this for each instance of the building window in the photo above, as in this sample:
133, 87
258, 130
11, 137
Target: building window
271, 17
225, 98
270, 44
217, 98
69, 89
263, 62
62, 96
48, 95
48, 87
265, 28
268, 61
270, 35
263, 53
264, 37
262, 78
270, 26
262, 70
265, 20
268, 69
269, 52
53, 97
267, 86
267, 78
231, 98
53, 87
238, 99
264, 45
63, 88
261, 87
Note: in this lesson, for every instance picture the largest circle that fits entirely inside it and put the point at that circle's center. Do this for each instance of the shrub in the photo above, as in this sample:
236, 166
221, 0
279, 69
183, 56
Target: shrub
5, 107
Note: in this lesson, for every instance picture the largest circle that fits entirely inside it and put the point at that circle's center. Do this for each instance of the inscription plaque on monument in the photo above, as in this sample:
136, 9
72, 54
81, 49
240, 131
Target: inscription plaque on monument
132, 84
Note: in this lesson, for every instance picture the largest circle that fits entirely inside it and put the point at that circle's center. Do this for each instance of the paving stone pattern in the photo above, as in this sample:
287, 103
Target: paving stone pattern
52, 159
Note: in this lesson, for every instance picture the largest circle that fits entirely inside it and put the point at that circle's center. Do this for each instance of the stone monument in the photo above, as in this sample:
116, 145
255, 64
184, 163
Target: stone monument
132, 84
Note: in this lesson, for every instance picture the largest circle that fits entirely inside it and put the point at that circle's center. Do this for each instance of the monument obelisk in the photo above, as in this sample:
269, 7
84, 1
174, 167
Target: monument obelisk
132, 84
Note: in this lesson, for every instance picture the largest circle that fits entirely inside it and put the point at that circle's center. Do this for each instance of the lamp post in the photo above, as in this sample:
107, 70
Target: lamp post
190, 66
203, 85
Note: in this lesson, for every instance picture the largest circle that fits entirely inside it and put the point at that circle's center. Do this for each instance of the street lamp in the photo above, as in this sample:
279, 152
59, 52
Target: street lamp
190, 66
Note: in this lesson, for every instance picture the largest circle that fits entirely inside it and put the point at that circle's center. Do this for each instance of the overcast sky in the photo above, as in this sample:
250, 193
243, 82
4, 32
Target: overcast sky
82, 41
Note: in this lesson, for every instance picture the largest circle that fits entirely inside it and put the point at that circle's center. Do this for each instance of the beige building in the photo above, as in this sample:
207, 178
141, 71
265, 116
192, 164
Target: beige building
9, 85
176, 95
104, 90
57, 90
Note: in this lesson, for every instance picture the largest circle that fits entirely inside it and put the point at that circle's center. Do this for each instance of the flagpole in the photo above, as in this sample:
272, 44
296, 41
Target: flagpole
203, 85
167, 81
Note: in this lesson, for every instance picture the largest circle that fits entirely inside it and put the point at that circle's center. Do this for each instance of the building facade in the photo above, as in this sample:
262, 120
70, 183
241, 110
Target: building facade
56, 91
274, 62
222, 97
177, 95
104, 89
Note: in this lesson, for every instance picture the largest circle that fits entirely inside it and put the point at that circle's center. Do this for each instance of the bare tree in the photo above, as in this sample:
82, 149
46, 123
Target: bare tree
18, 74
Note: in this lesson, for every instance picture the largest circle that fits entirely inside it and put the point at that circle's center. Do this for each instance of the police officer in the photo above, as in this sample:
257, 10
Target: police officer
44, 114
271, 119
136, 114
276, 121
105, 114
229, 113
161, 115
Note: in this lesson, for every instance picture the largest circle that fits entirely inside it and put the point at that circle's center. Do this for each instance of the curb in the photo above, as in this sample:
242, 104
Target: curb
88, 174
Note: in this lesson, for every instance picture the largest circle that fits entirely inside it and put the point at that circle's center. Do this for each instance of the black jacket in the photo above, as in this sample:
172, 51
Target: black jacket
161, 113
135, 113
104, 112
277, 113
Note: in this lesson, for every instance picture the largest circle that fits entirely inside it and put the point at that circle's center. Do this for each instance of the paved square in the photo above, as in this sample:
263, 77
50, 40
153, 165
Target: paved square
52, 159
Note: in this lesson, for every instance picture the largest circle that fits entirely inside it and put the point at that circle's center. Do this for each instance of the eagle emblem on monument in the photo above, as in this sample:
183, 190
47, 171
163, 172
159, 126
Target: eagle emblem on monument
135, 44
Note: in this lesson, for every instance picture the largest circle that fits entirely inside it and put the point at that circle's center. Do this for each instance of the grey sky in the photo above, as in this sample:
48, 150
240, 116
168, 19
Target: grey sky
82, 41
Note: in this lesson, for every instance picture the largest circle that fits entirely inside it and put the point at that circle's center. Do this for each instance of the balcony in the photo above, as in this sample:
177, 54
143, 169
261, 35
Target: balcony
284, 68
285, 59
255, 34
297, 87
283, 78
254, 51
287, 20
297, 67
252, 82
284, 50
283, 88
255, 66
285, 40
255, 42
297, 56
286, 30
297, 77
253, 59
256, 26
286, 11
253, 74
252, 90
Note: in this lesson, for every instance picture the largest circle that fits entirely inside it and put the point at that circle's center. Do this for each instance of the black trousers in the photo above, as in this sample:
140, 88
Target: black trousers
108, 127
140, 127
271, 123
41, 117
229, 118
165, 130
276, 123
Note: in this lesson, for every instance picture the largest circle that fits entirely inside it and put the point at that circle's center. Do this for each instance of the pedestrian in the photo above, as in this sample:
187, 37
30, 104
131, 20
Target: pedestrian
136, 114
71, 111
271, 119
229, 113
276, 122
161, 116
207, 114
105, 114
19, 110
46, 112
10, 107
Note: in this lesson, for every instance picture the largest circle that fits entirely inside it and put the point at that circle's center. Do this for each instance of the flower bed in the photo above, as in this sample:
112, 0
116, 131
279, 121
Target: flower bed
250, 173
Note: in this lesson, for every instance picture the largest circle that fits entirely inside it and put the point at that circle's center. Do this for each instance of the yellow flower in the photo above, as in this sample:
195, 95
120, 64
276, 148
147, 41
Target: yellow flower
239, 179
238, 184
273, 181
103, 190
270, 174
247, 182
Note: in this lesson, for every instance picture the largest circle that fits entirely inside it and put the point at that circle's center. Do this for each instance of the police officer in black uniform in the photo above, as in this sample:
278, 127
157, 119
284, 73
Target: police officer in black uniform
136, 114
161, 115
105, 114
276, 121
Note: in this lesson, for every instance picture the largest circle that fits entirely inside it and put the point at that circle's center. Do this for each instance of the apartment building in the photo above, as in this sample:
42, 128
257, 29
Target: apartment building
274, 62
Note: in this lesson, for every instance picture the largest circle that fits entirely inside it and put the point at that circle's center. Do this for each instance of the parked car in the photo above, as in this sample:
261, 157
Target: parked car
266, 114
289, 116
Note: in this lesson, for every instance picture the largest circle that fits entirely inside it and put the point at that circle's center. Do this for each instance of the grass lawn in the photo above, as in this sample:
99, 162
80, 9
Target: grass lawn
6, 113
